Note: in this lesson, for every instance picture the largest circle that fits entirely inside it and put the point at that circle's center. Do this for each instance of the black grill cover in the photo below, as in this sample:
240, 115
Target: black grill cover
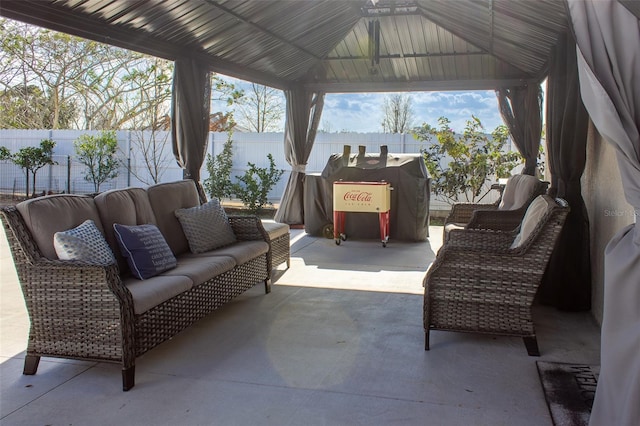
409, 179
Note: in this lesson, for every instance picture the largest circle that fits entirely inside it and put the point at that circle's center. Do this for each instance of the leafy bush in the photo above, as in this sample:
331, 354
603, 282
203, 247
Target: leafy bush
98, 154
31, 159
254, 186
218, 184
460, 165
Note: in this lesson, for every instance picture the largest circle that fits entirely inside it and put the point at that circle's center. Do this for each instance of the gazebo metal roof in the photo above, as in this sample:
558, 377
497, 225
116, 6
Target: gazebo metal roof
327, 45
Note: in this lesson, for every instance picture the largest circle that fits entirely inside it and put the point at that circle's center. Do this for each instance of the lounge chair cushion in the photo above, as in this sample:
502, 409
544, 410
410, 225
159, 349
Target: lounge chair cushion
518, 190
206, 227
145, 249
534, 214
84, 242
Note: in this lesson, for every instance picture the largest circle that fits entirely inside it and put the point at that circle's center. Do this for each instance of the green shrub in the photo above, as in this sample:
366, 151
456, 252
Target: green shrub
254, 186
460, 165
218, 184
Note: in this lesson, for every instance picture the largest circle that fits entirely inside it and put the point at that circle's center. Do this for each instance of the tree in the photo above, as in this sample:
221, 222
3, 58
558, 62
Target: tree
64, 68
28, 107
398, 114
218, 184
460, 165
98, 154
261, 109
31, 159
62, 81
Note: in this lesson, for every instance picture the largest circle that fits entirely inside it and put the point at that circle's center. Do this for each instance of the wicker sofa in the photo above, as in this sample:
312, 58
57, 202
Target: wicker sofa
85, 311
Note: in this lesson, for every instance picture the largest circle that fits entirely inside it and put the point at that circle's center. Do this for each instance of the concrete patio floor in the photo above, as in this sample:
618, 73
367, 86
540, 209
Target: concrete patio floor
339, 341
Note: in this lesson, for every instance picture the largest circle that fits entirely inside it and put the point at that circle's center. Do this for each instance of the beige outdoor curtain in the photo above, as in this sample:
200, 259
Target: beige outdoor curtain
608, 41
521, 110
304, 109
190, 107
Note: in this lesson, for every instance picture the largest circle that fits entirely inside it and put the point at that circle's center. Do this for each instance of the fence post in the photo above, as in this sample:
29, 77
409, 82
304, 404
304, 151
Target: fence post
68, 174
129, 158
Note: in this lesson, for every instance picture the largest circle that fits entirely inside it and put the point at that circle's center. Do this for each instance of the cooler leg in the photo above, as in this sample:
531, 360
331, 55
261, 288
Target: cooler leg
383, 218
338, 226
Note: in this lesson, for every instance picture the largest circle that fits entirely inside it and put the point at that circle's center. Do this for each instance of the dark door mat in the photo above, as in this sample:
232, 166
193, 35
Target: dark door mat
569, 390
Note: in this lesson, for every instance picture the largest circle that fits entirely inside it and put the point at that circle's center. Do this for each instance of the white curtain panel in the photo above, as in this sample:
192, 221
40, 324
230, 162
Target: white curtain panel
608, 51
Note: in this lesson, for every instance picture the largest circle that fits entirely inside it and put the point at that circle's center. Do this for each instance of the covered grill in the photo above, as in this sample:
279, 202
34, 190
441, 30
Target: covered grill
407, 174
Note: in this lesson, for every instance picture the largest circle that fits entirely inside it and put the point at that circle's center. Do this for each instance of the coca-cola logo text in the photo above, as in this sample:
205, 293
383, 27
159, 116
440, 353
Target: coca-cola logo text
360, 196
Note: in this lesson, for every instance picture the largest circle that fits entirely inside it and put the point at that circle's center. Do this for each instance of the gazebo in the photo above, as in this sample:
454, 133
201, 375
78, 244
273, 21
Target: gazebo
588, 50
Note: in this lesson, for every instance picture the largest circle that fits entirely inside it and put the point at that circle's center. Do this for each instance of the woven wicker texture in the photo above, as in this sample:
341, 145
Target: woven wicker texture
84, 311
489, 216
478, 284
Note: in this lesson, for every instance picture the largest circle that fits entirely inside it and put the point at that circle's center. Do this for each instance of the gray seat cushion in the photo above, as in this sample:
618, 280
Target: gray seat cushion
153, 291
241, 252
128, 206
165, 199
45, 216
203, 268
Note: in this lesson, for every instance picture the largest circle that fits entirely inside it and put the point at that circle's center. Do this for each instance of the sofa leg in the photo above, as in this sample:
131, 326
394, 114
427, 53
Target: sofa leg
31, 364
531, 343
267, 286
426, 339
128, 377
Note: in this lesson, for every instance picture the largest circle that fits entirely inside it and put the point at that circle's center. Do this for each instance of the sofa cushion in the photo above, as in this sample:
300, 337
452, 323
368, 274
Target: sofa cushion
165, 199
206, 227
202, 269
44, 216
241, 252
128, 206
84, 242
145, 249
155, 290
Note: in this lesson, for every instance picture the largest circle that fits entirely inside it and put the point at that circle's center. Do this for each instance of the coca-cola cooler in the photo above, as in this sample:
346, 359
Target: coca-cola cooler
406, 174
361, 197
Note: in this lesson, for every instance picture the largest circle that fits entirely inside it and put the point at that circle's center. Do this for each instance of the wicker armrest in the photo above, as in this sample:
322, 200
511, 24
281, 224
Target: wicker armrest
499, 220
74, 295
248, 227
466, 264
462, 212
480, 239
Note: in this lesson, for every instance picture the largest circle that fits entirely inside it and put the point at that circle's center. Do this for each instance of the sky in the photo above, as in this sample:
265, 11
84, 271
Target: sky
363, 112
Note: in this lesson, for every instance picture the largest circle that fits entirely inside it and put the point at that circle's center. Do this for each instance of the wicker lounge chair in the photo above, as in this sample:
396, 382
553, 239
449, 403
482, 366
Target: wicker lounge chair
505, 214
484, 281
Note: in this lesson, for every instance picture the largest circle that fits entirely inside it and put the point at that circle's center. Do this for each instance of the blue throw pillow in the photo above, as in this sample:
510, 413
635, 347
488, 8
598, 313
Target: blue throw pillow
85, 243
145, 249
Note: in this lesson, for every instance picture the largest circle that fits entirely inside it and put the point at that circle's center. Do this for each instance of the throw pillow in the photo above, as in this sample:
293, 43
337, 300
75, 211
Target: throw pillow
206, 227
84, 242
145, 249
534, 214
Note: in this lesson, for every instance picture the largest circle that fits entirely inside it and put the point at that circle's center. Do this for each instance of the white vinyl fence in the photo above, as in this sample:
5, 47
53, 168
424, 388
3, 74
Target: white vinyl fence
67, 175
